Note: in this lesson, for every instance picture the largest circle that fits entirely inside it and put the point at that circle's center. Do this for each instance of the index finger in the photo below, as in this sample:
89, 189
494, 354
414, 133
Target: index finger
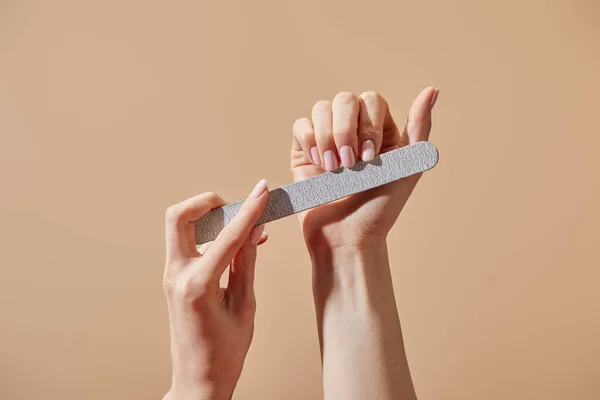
232, 237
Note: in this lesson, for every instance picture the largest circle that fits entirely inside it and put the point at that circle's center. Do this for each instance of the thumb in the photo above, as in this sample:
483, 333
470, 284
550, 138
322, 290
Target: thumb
418, 124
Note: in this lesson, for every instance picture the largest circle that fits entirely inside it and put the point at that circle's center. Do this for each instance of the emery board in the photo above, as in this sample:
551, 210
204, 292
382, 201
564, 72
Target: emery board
327, 187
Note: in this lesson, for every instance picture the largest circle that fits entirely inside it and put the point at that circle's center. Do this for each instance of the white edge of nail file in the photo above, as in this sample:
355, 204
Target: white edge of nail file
327, 187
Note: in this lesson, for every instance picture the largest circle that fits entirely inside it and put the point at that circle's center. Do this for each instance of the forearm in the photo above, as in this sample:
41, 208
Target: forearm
359, 330
196, 395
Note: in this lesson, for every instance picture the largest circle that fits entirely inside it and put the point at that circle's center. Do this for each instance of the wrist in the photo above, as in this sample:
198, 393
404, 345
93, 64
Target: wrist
317, 241
347, 259
351, 271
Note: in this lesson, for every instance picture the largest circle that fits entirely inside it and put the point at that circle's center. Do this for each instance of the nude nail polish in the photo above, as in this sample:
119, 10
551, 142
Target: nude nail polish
347, 156
260, 187
256, 234
368, 150
331, 162
314, 153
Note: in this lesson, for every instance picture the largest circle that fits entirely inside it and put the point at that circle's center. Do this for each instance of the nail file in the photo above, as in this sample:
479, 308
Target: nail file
327, 187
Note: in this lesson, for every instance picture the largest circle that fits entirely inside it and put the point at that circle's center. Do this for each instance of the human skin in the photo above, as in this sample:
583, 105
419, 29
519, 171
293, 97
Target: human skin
359, 329
211, 327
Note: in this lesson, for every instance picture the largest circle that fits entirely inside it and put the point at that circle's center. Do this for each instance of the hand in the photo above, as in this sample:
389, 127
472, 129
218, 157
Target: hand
211, 327
339, 133
357, 318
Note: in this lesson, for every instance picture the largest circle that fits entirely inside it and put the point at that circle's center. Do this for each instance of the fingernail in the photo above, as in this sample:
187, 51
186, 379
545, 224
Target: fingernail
331, 162
347, 156
368, 150
434, 98
256, 234
314, 153
259, 188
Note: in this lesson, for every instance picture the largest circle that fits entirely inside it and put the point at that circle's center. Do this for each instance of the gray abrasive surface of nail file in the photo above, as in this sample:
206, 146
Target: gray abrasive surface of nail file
327, 187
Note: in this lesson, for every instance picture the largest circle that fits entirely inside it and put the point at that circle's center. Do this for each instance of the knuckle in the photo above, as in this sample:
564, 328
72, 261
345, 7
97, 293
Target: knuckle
246, 211
303, 128
366, 129
343, 133
305, 137
233, 236
322, 105
168, 284
345, 98
418, 119
250, 310
183, 290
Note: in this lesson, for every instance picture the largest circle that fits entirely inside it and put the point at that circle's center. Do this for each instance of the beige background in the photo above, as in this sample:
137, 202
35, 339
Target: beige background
112, 110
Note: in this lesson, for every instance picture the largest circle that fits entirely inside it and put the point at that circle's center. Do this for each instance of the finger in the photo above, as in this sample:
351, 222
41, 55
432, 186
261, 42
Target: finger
204, 246
418, 124
345, 110
263, 238
241, 273
180, 232
232, 237
304, 140
373, 110
323, 124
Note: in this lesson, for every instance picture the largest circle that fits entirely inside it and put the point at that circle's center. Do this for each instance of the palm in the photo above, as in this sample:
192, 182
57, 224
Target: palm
368, 214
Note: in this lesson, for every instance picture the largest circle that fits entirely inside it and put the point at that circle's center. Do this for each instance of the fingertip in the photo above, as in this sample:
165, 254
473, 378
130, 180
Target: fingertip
428, 91
368, 150
256, 235
427, 96
259, 189
235, 236
423, 103
347, 156
314, 155
419, 116
331, 160
264, 237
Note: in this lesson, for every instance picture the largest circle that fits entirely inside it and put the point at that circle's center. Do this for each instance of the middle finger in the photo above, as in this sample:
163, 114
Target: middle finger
323, 123
345, 108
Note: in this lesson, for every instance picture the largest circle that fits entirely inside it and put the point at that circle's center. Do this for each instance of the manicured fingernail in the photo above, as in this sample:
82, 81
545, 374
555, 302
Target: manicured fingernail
331, 162
260, 187
256, 234
368, 150
434, 98
314, 153
347, 156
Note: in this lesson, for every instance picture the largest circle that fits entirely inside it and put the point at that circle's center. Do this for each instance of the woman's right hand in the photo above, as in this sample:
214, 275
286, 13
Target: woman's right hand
211, 327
